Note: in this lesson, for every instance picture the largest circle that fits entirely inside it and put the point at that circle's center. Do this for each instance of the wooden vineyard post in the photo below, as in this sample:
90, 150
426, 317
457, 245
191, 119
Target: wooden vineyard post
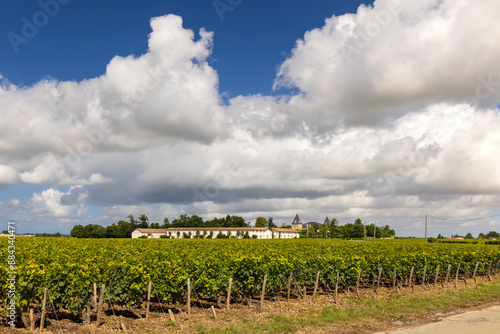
44, 304
228, 301
378, 279
423, 279
488, 273
122, 324
95, 295
448, 273
467, 270
357, 282
496, 267
263, 293
337, 288
437, 274
32, 320
394, 279
189, 295
149, 299
101, 301
456, 275
316, 286
213, 312
474, 274
411, 277
289, 286
87, 315
171, 314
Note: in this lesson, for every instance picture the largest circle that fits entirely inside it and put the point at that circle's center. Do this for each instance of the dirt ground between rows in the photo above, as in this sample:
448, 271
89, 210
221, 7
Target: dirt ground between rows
159, 321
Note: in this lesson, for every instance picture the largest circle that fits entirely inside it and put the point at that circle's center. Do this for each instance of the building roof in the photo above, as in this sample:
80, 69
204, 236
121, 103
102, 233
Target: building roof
165, 230
289, 230
152, 230
218, 228
296, 220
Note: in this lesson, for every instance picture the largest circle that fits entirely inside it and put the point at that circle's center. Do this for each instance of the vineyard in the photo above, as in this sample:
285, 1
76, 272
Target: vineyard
70, 267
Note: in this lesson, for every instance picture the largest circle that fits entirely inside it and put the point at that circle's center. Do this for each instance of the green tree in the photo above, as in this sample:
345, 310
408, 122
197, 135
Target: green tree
323, 231
493, 234
261, 222
124, 229
469, 236
358, 229
387, 232
111, 231
333, 229
78, 231
143, 221
166, 223
271, 223
131, 219
216, 222
235, 221
312, 231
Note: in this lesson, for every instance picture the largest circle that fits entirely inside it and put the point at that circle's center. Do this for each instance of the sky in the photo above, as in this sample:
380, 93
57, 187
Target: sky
385, 110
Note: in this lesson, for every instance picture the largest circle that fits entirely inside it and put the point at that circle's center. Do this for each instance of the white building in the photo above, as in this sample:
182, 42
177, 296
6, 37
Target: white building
149, 232
204, 232
285, 233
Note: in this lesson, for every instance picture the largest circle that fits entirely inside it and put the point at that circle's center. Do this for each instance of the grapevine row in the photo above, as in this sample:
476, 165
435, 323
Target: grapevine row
69, 267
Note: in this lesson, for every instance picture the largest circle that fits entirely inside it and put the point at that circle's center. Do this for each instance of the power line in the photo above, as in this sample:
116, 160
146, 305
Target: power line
409, 223
464, 220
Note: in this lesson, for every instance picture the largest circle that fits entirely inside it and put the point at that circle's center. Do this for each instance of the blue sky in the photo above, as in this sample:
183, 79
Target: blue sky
252, 40
384, 110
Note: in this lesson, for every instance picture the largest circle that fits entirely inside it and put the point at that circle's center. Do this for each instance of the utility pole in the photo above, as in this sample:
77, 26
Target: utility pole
374, 230
426, 228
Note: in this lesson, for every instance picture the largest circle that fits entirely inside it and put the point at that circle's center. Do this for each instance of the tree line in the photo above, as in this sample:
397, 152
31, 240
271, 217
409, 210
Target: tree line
332, 229
489, 235
124, 229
